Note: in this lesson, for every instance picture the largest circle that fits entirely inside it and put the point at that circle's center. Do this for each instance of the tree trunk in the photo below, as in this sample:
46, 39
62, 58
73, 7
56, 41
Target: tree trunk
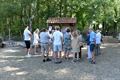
60, 8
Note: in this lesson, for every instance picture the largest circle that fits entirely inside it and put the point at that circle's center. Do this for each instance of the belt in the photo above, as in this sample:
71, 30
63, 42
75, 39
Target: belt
43, 43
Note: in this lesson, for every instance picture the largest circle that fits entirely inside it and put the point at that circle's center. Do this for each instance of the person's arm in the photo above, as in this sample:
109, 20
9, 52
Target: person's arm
102, 39
94, 38
53, 37
30, 34
61, 38
80, 42
37, 37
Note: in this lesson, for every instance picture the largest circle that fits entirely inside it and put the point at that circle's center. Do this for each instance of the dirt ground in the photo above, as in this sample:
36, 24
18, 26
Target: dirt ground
15, 66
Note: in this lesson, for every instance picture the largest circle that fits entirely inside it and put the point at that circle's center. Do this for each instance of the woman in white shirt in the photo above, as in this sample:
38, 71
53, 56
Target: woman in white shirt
36, 39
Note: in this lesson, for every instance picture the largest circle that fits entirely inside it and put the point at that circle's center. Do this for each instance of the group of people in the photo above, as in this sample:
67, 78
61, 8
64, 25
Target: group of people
66, 42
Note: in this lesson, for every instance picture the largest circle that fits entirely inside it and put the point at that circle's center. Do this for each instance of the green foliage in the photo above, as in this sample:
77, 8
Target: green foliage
15, 14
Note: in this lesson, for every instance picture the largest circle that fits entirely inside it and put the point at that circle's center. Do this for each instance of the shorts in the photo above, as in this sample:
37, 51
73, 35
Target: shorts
92, 47
27, 43
67, 47
74, 50
57, 48
44, 48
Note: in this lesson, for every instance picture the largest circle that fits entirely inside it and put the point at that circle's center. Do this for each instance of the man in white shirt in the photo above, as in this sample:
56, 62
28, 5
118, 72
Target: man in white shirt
57, 45
27, 38
98, 43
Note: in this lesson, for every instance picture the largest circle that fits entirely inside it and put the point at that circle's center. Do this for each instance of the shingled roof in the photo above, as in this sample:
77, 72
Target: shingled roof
61, 20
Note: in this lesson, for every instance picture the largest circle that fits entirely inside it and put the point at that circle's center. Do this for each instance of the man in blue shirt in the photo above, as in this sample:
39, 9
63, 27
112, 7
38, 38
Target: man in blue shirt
92, 44
44, 42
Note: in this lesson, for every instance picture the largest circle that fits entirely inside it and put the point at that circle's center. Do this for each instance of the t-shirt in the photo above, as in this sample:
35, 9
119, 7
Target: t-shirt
57, 38
44, 37
98, 38
27, 34
67, 38
92, 37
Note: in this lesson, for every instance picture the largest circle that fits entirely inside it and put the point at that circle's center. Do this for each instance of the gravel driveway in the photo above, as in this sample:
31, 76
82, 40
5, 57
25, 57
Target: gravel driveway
14, 66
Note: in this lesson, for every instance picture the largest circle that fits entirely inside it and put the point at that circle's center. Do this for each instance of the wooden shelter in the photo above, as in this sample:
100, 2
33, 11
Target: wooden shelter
64, 21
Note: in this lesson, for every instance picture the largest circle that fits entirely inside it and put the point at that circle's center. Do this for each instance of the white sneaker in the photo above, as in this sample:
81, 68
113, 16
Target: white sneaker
28, 55
35, 53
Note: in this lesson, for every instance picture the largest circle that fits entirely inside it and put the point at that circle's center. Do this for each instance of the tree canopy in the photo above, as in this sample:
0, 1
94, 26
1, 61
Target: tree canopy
15, 14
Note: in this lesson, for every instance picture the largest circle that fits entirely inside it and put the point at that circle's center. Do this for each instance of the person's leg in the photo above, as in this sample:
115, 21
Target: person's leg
89, 53
28, 48
96, 50
28, 51
51, 49
47, 52
68, 53
43, 52
65, 54
60, 56
93, 56
92, 47
35, 46
74, 56
80, 53
55, 55
99, 50
60, 52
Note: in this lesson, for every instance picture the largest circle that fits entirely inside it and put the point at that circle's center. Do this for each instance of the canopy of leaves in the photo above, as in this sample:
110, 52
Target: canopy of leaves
15, 14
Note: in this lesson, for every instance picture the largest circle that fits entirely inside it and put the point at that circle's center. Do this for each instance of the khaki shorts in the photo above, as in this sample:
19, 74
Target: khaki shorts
44, 48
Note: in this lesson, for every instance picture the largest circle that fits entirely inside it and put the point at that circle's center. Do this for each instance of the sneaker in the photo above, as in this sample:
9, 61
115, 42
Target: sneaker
90, 60
58, 62
93, 62
44, 60
79, 60
74, 60
48, 59
35, 53
28, 55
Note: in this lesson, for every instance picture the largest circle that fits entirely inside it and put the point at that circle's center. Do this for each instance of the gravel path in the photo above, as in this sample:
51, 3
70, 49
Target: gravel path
14, 66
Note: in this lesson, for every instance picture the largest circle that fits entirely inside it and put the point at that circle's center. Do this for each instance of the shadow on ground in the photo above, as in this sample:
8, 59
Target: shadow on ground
14, 66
